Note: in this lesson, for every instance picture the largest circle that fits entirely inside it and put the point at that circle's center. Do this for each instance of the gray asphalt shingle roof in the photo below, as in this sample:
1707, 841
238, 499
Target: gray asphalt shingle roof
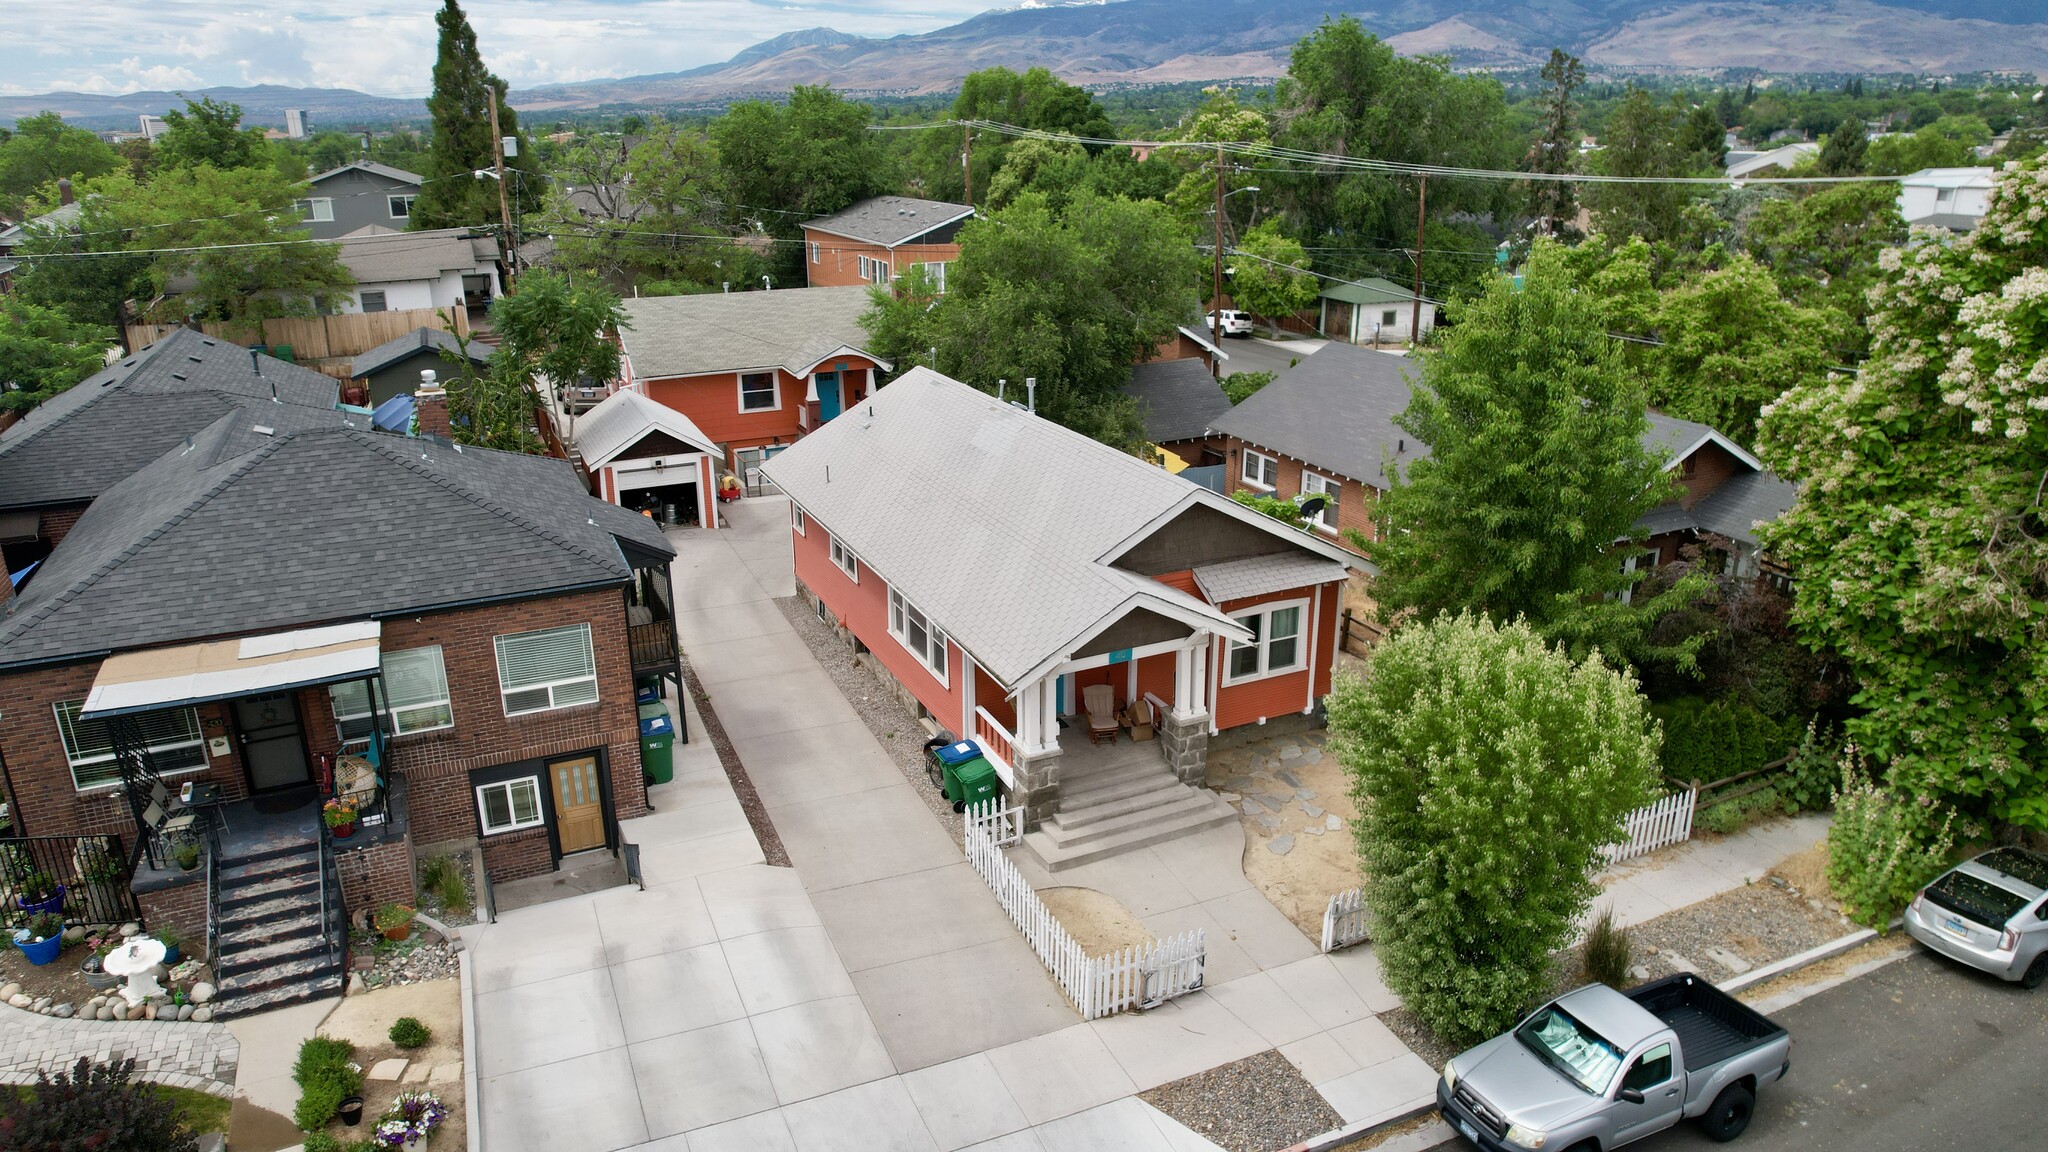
1334, 410
431, 340
383, 257
384, 170
890, 220
1371, 290
84, 440
624, 418
789, 328
217, 539
1743, 501
1259, 575
1178, 399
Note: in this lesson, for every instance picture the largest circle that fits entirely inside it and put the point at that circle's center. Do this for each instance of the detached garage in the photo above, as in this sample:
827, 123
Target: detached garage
648, 456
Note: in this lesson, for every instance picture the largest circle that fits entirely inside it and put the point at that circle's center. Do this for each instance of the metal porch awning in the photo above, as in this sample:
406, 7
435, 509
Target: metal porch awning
131, 682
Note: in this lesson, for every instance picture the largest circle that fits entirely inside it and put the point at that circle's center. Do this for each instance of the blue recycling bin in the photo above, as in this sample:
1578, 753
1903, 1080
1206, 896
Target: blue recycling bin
954, 755
657, 743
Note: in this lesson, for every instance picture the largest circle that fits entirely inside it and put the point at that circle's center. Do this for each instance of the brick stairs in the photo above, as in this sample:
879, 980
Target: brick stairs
1113, 806
275, 947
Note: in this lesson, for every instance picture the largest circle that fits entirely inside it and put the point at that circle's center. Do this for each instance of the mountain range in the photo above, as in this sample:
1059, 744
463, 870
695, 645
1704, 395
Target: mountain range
1137, 42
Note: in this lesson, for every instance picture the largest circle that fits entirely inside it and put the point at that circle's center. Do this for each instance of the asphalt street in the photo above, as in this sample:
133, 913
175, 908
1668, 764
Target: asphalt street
1250, 354
1918, 1056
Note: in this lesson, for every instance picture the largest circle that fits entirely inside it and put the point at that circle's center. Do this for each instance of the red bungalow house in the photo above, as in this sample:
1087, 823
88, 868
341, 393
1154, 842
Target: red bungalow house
754, 371
996, 566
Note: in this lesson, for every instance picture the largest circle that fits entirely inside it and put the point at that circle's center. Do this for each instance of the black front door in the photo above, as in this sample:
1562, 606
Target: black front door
272, 750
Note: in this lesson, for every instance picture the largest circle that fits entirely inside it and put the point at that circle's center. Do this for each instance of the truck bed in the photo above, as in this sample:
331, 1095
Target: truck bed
1712, 1026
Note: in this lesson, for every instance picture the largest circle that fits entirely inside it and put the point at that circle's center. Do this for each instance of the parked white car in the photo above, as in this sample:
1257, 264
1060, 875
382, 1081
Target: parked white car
1991, 913
1235, 323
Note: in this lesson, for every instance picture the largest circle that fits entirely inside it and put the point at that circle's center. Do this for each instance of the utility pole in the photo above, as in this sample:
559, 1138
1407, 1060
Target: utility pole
1415, 314
504, 199
1216, 299
967, 160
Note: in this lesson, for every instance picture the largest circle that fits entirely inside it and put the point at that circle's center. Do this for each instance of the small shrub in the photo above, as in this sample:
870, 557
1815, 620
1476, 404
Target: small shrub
434, 869
1607, 952
1883, 847
322, 1142
82, 1107
442, 877
1808, 783
1734, 815
407, 1032
1240, 386
391, 916
326, 1076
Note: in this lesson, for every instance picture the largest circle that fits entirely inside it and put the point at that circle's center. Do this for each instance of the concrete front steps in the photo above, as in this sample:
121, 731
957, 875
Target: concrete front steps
1121, 806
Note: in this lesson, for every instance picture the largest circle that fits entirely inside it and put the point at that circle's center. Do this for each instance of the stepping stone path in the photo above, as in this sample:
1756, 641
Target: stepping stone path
1333, 822
390, 1069
1280, 845
445, 1074
1309, 810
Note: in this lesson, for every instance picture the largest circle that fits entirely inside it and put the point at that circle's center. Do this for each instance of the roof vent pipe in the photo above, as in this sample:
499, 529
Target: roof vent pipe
1000, 386
1031, 395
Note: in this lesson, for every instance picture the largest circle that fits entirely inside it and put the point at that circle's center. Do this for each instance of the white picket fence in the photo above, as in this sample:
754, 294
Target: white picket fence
1134, 977
1656, 825
1344, 921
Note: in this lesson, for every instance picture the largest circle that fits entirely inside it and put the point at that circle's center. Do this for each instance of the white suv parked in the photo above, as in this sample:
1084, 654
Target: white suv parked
1235, 323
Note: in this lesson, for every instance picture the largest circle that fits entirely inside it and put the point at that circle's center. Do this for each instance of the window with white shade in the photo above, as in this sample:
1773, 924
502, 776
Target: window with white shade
1260, 471
414, 691
1276, 644
550, 668
1313, 485
509, 805
171, 738
320, 209
914, 630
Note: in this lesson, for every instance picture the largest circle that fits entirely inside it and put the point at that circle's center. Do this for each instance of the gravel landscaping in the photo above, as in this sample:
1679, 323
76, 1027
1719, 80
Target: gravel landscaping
1255, 1104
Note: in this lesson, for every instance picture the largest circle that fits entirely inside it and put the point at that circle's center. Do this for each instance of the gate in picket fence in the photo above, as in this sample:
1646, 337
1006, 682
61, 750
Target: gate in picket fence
1344, 920
1140, 976
1656, 825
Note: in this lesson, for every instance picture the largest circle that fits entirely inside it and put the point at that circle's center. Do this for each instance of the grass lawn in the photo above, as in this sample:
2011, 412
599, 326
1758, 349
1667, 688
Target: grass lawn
199, 1111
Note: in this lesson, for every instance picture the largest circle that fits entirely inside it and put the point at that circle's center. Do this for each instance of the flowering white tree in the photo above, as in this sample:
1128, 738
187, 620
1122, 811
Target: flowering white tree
1919, 540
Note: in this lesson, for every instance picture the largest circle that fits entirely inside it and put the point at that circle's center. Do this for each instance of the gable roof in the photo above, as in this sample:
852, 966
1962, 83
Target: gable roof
789, 328
1371, 290
999, 524
890, 220
1179, 399
1676, 439
84, 440
429, 340
624, 418
1782, 157
371, 166
1743, 501
214, 539
381, 256
1977, 177
1335, 410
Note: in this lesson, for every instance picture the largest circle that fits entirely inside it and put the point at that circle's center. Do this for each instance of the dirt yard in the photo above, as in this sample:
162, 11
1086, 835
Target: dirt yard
1097, 921
366, 1020
1297, 812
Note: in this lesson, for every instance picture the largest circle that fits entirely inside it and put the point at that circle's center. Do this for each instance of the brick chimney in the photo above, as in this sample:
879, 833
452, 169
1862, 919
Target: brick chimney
64, 193
430, 409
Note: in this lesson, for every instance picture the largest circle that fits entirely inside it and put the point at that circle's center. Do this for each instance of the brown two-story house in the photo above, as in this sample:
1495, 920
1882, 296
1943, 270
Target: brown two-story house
877, 240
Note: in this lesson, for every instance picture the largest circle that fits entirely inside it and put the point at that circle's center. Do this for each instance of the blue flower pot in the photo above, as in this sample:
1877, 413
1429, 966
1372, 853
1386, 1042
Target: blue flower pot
41, 953
52, 903
171, 954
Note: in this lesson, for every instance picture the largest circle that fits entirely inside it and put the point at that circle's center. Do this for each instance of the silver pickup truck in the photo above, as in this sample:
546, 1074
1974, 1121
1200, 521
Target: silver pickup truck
1596, 1069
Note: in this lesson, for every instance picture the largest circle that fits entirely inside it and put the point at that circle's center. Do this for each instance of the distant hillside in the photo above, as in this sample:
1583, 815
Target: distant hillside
262, 106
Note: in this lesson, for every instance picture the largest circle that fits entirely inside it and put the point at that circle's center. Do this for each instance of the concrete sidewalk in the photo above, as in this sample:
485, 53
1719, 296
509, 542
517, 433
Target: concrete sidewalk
1701, 869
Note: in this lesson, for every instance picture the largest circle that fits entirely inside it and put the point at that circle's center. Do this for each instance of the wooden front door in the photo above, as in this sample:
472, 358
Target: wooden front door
579, 807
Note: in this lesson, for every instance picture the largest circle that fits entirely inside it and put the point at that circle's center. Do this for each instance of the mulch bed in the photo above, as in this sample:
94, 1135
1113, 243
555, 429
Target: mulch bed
1255, 1104
742, 786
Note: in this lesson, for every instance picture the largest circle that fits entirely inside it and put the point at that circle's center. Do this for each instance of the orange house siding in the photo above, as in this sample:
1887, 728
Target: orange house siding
712, 402
1355, 500
837, 262
1249, 702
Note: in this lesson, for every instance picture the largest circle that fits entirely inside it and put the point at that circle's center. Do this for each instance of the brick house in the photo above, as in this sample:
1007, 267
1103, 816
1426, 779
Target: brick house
1725, 492
456, 646
994, 567
877, 240
754, 371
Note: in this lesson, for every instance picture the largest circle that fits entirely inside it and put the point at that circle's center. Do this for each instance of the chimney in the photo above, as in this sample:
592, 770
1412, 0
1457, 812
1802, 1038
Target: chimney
430, 409
64, 193
6, 589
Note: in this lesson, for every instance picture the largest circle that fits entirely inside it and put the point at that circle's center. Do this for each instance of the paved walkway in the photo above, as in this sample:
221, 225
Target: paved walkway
198, 1056
1669, 879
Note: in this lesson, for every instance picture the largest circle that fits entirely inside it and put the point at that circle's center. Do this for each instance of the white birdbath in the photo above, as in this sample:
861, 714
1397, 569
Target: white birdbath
137, 960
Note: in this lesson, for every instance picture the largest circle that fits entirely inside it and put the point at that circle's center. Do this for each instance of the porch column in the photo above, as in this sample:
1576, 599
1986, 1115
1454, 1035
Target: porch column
1037, 768
1184, 730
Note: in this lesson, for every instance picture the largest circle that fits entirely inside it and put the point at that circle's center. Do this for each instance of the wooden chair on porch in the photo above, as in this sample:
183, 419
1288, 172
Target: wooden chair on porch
1099, 700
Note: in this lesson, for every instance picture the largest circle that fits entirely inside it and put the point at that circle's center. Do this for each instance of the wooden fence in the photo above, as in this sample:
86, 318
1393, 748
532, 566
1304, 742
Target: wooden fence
1345, 920
1139, 976
1358, 634
321, 338
1656, 825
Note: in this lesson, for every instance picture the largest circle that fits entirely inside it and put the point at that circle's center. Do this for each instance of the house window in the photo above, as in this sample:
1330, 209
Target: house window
817, 251
373, 300
937, 272
415, 691
796, 516
1388, 319
401, 206
550, 668
864, 271
758, 392
845, 559
1275, 646
1260, 471
1314, 485
915, 632
320, 210
1689, 467
874, 271
172, 738
509, 805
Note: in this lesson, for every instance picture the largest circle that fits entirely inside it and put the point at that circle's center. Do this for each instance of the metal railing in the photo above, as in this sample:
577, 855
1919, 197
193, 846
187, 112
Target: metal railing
84, 879
330, 889
213, 908
653, 644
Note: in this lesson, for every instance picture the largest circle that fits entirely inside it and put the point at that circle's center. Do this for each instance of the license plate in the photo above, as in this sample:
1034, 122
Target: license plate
1956, 927
1469, 1133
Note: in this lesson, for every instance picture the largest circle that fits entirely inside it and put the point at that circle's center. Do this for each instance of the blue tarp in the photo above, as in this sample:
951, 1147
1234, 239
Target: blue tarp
17, 577
395, 414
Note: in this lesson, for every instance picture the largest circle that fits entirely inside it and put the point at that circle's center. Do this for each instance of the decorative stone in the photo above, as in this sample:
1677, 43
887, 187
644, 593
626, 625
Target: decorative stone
41, 1003
9, 990
1333, 822
1228, 797
137, 1012
1305, 793
202, 1014
149, 1012
201, 993
1650, 948
1280, 845
130, 928
185, 1011
1290, 752
74, 934
20, 999
416, 1074
95, 1002
1309, 810
1268, 822
445, 1074
64, 1011
355, 984
1276, 800
390, 1069
1312, 756
1313, 830
1728, 960
1639, 973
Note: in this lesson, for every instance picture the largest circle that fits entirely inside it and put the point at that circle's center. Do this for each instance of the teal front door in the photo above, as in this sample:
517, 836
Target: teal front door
828, 395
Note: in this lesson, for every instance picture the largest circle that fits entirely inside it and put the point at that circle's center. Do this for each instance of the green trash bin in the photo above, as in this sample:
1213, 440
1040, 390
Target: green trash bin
657, 743
970, 782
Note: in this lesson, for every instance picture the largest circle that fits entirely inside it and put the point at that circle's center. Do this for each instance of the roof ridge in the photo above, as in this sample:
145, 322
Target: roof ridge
103, 390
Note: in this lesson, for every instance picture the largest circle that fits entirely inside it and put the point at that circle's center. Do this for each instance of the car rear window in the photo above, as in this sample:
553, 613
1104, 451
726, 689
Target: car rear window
2020, 864
1980, 900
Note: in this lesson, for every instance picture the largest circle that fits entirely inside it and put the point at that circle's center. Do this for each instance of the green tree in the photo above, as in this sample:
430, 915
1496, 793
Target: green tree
43, 352
92, 1106
1270, 274
1241, 386
209, 132
1034, 99
1489, 770
1823, 248
43, 150
1555, 203
1054, 168
1643, 138
460, 105
1918, 534
1731, 345
1842, 153
558, 330
1536, 466
782, 164
77, 268
1898, 154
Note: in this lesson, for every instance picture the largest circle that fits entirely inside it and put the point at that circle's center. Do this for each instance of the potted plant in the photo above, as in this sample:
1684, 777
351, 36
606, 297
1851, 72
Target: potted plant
169, 938
187, 855
340, 816
394, 921
38, 892
351, 1110
411, 1120
93, 969
42, 939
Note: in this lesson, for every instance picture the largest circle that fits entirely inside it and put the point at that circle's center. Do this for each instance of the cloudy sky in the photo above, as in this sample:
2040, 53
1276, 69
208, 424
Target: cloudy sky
386, 47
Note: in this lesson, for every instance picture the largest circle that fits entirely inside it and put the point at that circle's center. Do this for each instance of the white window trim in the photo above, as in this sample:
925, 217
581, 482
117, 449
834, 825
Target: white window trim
391, 200
935, 636
1261, 485
376, 696
498, 649
936, 270
843, 558
1333, 494
483, 819
315, 205
1302, 657
775, 387
817, 251
75, 763
799, 521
